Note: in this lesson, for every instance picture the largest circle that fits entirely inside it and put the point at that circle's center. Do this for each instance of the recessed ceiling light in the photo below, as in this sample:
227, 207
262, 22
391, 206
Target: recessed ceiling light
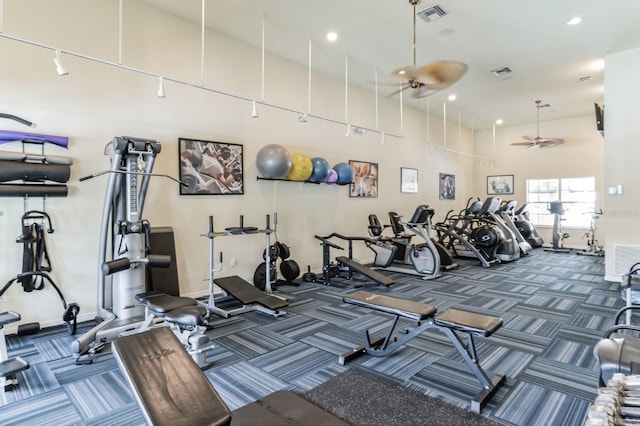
574, 21
402, 72
499, 121
452, 97
332, 36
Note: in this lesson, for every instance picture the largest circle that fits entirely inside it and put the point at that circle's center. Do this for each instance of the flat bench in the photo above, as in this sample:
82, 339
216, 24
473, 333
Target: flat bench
249, 294
450, 322
171, 390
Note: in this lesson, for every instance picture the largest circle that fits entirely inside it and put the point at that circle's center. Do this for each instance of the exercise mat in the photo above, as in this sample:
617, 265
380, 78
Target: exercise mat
39, 158
9, 136
33, 172
33, 190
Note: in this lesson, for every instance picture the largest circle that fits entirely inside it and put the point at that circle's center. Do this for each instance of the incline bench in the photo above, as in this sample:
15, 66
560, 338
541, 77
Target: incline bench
172, 390
248, 294
449, 322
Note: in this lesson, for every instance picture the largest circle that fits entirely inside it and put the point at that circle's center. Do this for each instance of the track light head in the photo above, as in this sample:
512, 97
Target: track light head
254, 109
161, 93
60, 68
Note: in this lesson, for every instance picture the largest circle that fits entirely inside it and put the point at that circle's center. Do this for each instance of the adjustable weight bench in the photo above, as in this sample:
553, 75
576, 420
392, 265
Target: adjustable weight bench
250, 296
450, 322
171, 390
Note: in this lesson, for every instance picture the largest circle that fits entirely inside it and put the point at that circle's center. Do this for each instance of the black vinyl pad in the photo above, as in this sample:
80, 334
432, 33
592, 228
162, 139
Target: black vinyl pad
366, 271
247, 293
169, 386
468, 322
393, 305
160, 303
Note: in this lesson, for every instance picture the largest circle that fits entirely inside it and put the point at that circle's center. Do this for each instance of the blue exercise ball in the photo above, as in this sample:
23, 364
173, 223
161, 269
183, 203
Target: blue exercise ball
321, 169
273, 161
345, 173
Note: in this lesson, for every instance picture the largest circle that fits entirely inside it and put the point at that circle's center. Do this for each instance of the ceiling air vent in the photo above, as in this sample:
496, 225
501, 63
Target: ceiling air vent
432, 13
501, 72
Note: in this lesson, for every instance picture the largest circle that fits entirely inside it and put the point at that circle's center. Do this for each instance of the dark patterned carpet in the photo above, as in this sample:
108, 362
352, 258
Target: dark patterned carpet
554, 306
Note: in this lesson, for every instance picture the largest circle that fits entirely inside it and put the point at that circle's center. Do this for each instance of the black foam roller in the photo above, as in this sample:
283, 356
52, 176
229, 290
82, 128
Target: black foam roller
33, 190
34, 172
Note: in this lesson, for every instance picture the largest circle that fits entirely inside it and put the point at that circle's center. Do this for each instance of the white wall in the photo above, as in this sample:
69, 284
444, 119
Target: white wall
97, 102
623, 150
581, 155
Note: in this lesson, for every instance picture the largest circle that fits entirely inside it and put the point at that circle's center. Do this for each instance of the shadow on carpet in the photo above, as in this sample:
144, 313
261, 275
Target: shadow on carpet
362, 398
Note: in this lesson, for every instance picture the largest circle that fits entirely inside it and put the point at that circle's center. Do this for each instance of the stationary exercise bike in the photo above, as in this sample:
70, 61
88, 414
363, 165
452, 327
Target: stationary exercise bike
593, 249
557, 209
394, 253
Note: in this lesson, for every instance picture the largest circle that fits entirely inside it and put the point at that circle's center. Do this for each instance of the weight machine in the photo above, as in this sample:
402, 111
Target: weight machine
132, 161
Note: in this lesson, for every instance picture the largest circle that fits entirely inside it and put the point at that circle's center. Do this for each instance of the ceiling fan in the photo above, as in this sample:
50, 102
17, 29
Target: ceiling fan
428, 79
539, 142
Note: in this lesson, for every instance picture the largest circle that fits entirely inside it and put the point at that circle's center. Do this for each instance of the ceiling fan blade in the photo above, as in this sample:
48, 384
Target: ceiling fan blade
528, 137
403, 86
440, 75
528, 144
423, 91
406, 73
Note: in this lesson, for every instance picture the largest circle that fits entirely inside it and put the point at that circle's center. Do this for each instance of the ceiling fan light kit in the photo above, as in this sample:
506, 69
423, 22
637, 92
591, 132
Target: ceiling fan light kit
538, 142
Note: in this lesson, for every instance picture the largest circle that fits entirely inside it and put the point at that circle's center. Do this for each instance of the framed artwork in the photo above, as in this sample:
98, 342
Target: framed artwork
447, 186
500, 185
365, 179
408, 180
210, 168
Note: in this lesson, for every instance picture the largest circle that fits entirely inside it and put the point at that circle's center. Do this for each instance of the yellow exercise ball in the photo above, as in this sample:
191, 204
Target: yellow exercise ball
301, 167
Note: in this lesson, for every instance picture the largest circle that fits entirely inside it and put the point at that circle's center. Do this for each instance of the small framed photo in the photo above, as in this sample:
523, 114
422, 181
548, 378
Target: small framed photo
365, 179
408, 180
210, 168
500, 185
447, 186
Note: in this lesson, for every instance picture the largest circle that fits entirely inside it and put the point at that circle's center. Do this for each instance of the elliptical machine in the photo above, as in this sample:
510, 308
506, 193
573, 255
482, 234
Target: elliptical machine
526, 227
557, 245
393, 253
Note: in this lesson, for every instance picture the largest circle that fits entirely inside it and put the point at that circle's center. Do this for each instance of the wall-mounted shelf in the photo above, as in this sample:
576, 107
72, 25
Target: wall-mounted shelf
301, 181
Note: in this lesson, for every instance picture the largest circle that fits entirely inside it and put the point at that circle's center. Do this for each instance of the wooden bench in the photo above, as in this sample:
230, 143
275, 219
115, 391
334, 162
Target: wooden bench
449, 322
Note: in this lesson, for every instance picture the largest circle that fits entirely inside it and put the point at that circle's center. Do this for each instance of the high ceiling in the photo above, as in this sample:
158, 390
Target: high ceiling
548, 58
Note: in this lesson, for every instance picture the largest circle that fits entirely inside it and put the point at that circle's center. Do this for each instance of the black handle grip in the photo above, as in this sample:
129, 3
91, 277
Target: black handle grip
158, 261
114, 266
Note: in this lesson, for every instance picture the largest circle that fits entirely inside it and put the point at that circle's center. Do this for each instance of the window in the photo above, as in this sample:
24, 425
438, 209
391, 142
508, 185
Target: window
577, 194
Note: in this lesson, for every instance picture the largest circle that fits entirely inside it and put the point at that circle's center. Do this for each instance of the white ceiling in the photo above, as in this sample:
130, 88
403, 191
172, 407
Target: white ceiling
547, 57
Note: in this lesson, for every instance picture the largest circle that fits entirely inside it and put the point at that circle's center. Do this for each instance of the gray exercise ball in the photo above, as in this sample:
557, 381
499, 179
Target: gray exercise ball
273, 161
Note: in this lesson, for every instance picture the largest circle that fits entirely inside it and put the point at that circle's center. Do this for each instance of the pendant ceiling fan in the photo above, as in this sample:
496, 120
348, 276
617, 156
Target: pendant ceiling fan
428, 79
539, 142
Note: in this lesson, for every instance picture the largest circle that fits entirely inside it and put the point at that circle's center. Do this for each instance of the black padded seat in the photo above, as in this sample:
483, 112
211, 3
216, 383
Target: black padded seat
468, 322
169, 386
189, 316
160, 303
392, 305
